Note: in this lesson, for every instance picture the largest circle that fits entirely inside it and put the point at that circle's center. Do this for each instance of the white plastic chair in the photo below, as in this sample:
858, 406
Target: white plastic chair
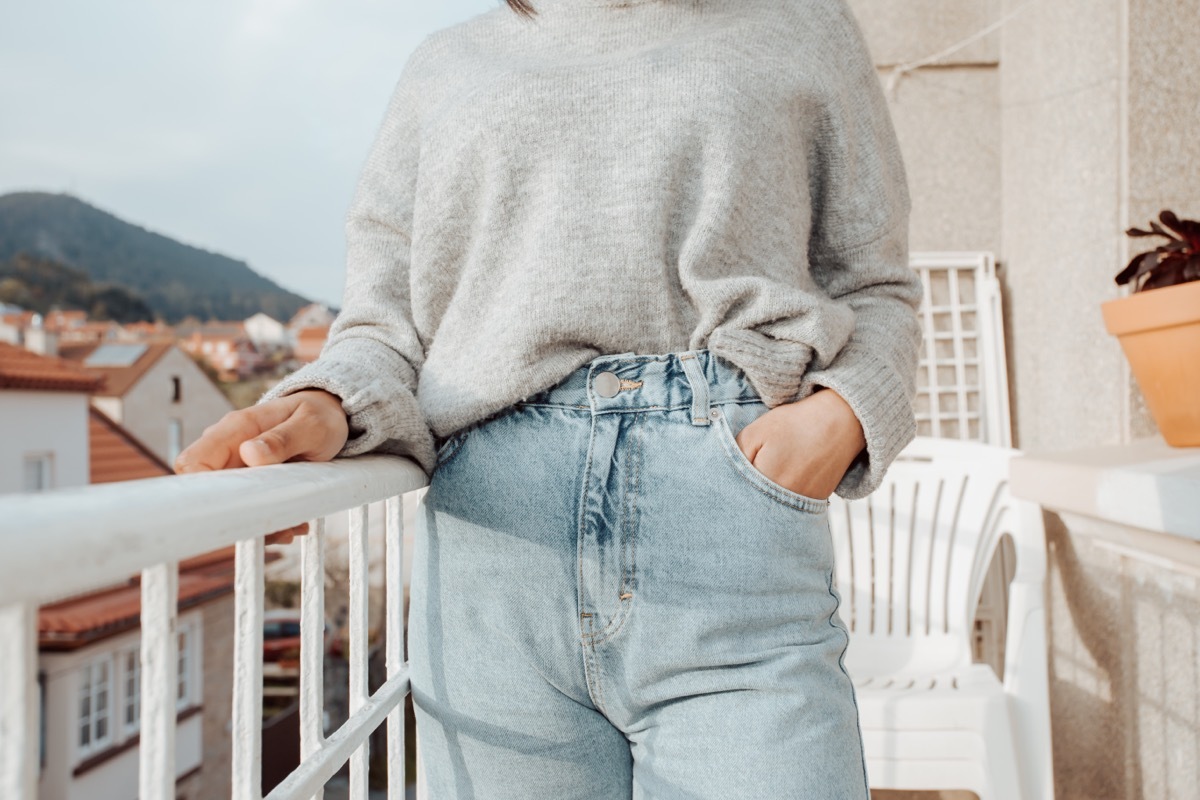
910, 562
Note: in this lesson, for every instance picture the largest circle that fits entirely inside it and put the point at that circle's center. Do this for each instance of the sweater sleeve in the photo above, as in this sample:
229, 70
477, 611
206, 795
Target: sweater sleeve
858, 255
373, 355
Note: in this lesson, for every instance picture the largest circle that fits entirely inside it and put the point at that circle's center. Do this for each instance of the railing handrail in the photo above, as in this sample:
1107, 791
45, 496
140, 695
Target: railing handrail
69, 541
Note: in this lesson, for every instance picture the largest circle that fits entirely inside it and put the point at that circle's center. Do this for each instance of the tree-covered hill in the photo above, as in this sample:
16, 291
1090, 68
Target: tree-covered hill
39, 284
175, 280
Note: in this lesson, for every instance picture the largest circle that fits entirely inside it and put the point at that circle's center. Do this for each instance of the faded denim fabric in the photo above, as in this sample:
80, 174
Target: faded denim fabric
610, 601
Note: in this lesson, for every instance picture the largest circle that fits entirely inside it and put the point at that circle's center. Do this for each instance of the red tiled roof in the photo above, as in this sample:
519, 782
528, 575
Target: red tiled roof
116, 456
18, 318
78, 621
24, 369
313, 332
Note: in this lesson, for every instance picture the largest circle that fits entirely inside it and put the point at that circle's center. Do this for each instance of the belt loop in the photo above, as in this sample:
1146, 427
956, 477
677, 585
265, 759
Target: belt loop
699, 386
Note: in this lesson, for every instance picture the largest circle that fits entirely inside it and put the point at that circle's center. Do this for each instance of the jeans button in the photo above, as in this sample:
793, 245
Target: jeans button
606, 384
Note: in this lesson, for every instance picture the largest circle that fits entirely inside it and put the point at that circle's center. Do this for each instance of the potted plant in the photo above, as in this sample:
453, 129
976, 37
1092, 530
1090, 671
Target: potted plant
1158, 326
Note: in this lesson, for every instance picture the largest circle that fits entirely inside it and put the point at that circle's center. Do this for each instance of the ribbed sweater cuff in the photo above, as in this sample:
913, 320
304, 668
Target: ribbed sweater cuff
382, 412
775, 367
880, 400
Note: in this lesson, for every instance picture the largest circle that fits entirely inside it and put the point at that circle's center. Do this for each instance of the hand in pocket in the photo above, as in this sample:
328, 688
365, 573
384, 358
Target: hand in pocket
805, 446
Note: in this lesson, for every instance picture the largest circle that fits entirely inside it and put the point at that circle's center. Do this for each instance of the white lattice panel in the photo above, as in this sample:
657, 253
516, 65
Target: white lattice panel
962, 379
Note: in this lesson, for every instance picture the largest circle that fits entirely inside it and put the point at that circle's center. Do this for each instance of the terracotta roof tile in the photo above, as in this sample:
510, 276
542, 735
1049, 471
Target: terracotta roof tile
313, 332
24, 369
116, 455
81, 620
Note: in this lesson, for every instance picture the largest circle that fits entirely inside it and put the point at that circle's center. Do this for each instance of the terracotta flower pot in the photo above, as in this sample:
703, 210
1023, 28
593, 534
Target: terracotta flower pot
1159, 330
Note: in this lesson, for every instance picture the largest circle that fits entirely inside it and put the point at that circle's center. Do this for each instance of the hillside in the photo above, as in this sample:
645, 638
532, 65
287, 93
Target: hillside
38, 284
175, 280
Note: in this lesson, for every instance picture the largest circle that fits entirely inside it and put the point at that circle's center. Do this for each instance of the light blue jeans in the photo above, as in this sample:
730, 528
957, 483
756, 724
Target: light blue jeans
610, 601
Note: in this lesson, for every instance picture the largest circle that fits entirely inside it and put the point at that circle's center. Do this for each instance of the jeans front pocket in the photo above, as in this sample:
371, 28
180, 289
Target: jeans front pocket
451, 445
730, 420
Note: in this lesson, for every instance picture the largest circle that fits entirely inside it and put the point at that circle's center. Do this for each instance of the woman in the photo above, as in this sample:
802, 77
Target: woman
629, 280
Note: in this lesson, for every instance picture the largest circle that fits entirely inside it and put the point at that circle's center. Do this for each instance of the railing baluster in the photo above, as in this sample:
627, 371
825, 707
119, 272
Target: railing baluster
20, 715
225, 508
359, 596
312, 642
160, 681
394, 586
247, 671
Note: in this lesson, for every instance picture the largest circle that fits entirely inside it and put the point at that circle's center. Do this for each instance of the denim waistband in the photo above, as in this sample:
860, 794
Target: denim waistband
692, 379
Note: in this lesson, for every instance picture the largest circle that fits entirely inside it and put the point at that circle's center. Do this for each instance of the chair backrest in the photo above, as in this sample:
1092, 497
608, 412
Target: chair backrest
911, 557
962, 379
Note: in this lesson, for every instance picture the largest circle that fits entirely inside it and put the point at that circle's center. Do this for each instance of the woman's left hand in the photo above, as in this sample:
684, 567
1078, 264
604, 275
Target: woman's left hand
805, 446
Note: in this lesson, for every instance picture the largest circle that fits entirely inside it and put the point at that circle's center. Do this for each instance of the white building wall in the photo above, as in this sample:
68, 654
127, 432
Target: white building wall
147, 408
116, 777
43, 422
265, 330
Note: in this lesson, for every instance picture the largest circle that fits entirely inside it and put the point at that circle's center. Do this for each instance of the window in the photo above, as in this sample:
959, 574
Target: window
39, 472
183, 695
131, 683
174, 438
176, 389
95, 691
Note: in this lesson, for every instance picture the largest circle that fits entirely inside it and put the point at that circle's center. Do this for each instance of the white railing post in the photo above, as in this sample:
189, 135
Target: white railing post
159, 679
312, 642
162, 521
393, 581
20, 715
248, 671
359, 690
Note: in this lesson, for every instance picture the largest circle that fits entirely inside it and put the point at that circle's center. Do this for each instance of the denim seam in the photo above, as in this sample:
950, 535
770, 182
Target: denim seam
683, 406
755, 480
849, 681
590, 676
624, 609
598, 697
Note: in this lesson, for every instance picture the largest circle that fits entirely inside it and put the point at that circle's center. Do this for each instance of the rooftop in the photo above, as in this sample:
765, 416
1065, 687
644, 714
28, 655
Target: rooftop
24, 369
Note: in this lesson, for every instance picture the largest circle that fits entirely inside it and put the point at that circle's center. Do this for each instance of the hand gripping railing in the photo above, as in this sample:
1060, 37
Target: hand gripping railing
70, 541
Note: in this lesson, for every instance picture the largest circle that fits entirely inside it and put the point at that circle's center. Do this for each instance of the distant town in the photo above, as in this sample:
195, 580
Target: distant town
242, 357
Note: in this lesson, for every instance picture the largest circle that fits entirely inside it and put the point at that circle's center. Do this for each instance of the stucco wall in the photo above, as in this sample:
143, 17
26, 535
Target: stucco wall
1043, 142
36, 422
1124, 638
946, 117
147, 406
116, 775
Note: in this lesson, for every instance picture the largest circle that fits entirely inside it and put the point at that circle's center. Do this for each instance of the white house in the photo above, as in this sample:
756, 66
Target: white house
88, 663
43, 421
313, 315
266, 332
155, 391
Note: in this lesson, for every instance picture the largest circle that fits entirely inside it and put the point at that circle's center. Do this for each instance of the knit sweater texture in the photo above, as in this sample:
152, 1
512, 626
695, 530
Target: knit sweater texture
616, 176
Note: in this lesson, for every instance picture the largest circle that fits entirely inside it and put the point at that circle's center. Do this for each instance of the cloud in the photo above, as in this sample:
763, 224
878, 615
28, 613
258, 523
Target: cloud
236, 125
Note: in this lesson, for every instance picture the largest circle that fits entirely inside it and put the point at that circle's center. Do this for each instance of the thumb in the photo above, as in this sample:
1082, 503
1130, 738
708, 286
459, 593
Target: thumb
276, 445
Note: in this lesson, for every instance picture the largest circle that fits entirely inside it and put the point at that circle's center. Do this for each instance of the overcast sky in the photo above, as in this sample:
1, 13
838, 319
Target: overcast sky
238, 126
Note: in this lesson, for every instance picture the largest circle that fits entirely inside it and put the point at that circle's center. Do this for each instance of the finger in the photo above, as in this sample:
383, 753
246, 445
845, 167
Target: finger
298, 436
286, 535
748, 443
217, 447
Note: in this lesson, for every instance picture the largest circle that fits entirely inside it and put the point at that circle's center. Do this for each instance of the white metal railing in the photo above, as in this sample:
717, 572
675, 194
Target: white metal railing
70, 541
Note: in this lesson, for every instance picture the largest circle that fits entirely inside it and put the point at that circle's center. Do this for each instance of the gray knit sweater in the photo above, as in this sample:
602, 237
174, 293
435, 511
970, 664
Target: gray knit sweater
618, 176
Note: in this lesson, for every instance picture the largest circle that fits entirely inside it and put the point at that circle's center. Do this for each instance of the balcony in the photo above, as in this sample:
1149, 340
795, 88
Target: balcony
70, 541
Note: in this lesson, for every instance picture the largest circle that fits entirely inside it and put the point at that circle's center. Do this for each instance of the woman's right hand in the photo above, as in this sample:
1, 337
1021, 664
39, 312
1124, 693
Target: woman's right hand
308, 425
